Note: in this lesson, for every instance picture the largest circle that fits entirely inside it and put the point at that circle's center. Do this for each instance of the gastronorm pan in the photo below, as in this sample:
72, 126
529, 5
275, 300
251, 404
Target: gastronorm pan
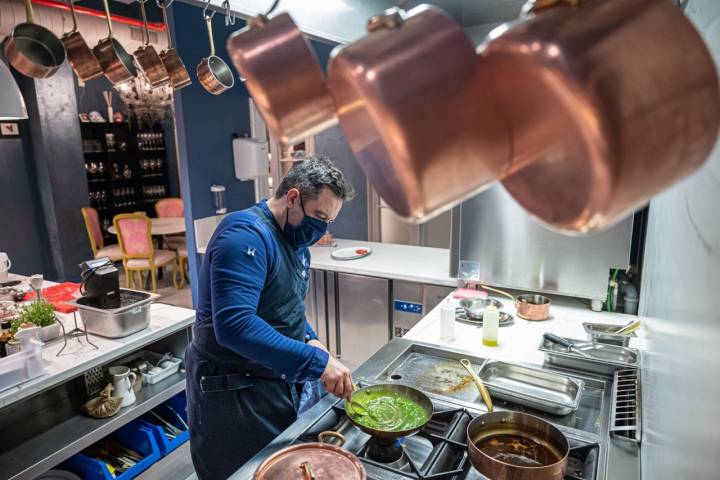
609, 358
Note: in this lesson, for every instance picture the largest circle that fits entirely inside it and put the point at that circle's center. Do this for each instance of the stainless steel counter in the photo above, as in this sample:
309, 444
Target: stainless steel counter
617, 460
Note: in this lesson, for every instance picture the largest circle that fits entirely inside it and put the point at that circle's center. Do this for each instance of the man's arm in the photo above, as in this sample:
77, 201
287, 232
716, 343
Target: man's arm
236, 279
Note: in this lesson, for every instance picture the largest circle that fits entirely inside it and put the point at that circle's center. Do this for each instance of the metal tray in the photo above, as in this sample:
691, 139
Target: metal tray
605, 333
132, 316
533, 387
609, 357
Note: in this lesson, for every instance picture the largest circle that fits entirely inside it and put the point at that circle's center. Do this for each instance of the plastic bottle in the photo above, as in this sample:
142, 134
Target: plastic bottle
31, 346
447, 321
491, 326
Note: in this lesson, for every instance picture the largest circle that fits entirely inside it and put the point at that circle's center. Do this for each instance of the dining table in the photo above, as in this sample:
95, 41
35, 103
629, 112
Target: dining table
162, 226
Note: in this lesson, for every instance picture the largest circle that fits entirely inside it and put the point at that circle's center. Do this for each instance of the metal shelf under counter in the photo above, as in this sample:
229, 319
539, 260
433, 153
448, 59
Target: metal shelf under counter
63, 440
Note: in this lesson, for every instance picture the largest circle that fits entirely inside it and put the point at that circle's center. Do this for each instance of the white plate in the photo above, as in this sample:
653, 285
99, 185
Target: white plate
351, 253
58, 475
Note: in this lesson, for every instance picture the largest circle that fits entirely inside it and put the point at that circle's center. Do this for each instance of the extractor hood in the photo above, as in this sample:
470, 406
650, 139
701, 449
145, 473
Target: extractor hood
343, 21
12, 105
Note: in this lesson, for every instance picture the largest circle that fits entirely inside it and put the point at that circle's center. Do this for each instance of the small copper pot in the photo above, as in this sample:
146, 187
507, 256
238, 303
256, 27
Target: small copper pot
283, 76
79, 55
312, 460
532, 306
147, 57
214, 74
179, 76
117, 64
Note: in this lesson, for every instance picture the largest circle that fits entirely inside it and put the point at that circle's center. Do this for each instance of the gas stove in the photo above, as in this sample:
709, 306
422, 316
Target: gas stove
438, 451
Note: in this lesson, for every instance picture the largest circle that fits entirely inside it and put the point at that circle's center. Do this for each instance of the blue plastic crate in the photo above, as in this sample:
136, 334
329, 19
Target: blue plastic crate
166, 410
133, 436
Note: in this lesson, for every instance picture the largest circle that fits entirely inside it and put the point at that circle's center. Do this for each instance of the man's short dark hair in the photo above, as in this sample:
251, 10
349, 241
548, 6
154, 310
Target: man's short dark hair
313, 174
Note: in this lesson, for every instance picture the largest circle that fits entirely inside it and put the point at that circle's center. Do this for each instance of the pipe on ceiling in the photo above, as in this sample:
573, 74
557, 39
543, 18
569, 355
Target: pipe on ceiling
158, 27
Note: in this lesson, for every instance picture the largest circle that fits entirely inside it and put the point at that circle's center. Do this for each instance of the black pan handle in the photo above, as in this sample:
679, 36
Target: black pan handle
551, 337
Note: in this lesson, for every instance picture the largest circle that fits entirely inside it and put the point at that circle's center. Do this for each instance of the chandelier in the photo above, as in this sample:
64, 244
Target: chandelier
149, 104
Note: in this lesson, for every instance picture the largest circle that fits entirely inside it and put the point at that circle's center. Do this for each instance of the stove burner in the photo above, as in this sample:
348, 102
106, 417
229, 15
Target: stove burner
384, 451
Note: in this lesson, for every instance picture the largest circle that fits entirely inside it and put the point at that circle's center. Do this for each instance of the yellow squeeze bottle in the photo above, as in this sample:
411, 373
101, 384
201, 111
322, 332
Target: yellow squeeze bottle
491, 326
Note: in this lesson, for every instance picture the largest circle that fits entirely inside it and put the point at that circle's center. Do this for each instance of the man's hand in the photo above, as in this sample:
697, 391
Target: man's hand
337, 379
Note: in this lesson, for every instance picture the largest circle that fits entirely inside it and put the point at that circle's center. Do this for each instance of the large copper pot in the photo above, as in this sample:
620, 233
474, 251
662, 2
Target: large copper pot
419, 111
79, 55
610, 102
283, 76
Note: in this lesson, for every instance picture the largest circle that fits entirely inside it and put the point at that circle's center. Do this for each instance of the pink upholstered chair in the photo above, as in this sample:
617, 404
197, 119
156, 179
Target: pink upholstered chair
97, 243
138, 253
171, 207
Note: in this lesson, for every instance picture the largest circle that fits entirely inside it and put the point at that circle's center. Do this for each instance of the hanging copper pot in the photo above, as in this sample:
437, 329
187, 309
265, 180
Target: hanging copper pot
214, 74
408, 100
283, 76
117, 64
147, 57
32, 49
179, 76
610, 102
79, 55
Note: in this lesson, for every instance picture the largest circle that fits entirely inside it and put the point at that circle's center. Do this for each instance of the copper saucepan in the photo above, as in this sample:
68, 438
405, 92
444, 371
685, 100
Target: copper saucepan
610, 102
179, 76
214, 74
512, 445
147, 57
308, 461
79, 55
32, 49
419, 112
269, 52
117, 64
529, 306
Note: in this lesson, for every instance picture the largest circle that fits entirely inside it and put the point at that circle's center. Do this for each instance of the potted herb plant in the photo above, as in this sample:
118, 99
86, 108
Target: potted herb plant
40, 314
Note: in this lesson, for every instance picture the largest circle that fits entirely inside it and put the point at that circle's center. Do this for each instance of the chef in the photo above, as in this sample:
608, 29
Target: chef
252, 348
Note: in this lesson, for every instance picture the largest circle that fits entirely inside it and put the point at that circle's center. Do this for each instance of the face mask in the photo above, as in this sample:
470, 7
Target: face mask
307, 233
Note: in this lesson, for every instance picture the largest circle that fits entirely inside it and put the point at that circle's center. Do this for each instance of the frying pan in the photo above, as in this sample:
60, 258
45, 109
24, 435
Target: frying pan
408, 392
116, 63
213, 73
504, 444
147, 57
79, 55
529, 306
179, 76
32, 49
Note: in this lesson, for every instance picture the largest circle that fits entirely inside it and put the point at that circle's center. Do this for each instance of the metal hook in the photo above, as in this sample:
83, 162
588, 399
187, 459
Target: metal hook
204, 12
229, 16
163, 4
272, 7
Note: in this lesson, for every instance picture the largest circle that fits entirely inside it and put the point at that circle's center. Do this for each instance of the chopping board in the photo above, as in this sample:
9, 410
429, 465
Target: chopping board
58, 295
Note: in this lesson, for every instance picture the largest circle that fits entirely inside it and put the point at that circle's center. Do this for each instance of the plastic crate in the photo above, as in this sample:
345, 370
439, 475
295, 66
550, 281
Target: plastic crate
134, 436
178, 403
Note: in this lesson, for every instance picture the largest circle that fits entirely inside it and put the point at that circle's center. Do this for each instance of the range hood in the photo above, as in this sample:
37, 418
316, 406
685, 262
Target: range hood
343, 21
12, 105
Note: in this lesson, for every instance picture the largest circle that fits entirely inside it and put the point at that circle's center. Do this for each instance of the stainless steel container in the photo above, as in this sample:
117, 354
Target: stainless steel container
533, 387
132, 316
605, 333
613, 357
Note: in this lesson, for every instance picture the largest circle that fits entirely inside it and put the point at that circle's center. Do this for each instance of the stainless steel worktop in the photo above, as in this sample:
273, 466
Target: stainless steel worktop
617, 460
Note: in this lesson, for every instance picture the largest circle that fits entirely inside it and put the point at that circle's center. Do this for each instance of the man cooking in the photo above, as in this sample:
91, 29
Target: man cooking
252, 348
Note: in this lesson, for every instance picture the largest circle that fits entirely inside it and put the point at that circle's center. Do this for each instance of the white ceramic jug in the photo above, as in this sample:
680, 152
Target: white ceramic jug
5, 265
122, 381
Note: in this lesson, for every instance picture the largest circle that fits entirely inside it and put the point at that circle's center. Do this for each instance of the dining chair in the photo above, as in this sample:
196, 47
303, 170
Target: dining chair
184, 268
97, 242
134, 233
171, 207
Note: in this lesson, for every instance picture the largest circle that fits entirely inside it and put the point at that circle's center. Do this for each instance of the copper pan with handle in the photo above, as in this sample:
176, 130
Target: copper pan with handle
609, 102
32, 49
117, 64
179, 76
147, 57
214, 74
79, 55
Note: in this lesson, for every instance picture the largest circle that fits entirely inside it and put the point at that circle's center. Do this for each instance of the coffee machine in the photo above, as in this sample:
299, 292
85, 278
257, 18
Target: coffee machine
100, 283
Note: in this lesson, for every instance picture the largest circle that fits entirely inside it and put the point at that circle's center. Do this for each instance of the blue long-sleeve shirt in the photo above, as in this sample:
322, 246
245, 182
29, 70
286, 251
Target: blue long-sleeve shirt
229, 289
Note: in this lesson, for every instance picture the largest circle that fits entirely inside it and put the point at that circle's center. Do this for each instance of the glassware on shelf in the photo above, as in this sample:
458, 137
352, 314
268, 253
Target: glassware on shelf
127, 173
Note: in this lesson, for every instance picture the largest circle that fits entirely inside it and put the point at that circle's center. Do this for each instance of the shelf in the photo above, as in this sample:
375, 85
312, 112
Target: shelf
98, 180
152, 175
60, 442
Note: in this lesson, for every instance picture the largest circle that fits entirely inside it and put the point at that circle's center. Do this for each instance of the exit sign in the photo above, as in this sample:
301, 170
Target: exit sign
9, 129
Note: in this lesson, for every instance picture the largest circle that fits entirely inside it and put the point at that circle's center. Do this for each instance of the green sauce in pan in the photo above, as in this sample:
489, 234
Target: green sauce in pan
387, 411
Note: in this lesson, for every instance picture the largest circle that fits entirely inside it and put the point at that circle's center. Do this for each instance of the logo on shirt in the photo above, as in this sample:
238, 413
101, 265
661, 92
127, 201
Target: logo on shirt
250, 252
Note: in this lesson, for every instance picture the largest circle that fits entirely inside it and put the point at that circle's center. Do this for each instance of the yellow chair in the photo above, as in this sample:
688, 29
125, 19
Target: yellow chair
184, 268
134, 233
97, 243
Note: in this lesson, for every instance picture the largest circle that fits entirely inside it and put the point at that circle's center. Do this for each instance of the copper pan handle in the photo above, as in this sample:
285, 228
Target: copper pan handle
29, 11
146, 33
71, 3
308, 472
107, 17
208, 22
501, 292
163, 7
481, 387
329, 433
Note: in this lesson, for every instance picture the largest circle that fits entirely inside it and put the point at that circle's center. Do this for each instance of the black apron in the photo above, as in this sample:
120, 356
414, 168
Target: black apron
236, 406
